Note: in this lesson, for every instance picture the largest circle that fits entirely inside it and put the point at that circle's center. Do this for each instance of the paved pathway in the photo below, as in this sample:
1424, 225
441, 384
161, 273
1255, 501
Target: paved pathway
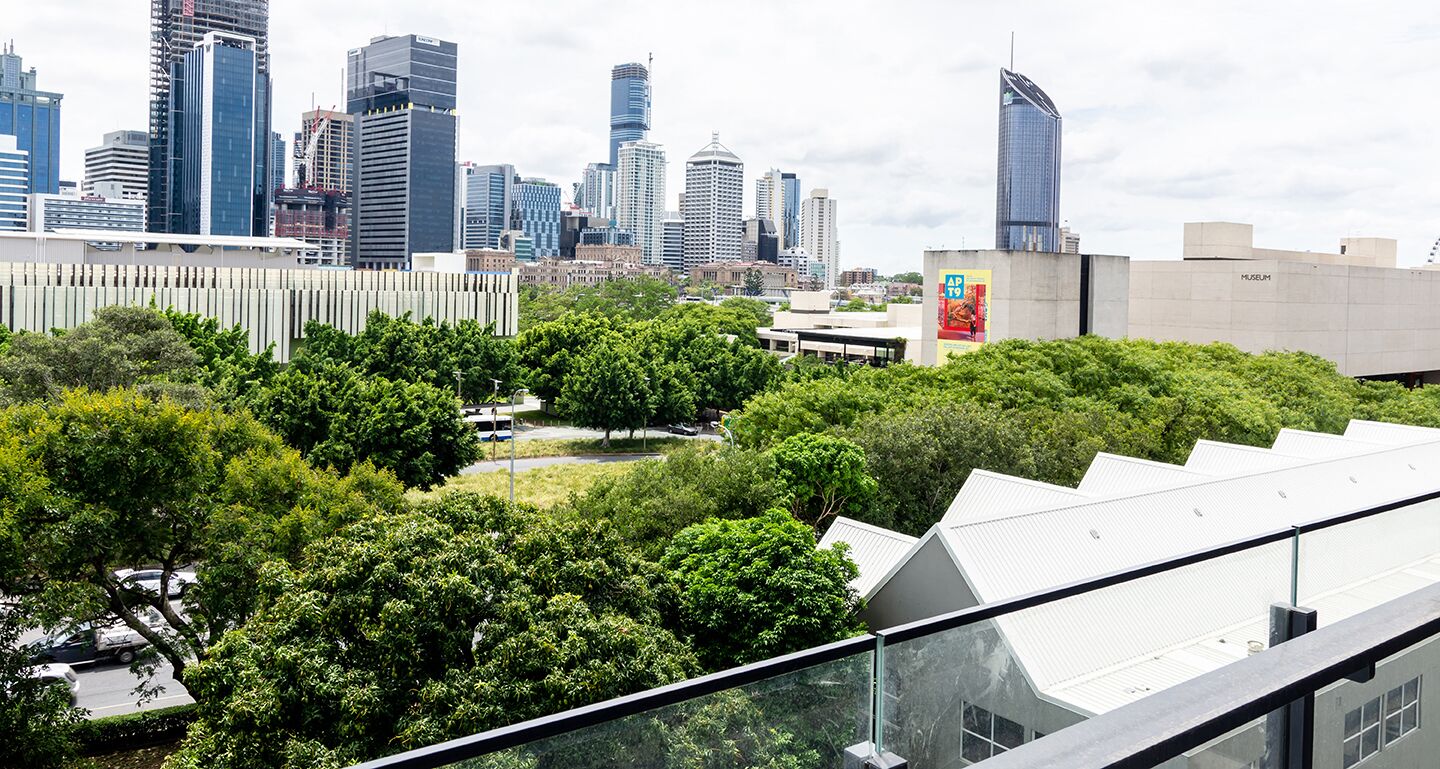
531, 463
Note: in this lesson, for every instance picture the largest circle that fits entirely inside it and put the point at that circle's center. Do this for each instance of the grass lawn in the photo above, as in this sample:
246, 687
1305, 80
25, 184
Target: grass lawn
542, 486
538, 417
578, 447
143, 758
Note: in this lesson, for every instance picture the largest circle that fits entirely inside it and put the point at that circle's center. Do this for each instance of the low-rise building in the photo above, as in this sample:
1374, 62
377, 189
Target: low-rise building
49, 213
564, 273
617, 254
731, 276
1353, 307
856, 275
812, 327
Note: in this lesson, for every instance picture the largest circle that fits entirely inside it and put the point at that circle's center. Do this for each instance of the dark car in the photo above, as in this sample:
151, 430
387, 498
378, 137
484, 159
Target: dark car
684, 430
86, 644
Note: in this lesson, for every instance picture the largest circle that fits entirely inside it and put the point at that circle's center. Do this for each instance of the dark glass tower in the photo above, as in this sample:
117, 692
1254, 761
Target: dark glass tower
401, 91
1027, 194
629, 107
32, 116
223, 187
176, 27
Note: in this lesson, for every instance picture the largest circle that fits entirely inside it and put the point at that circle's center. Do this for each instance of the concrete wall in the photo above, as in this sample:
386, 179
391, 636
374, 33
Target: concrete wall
1232, 240
926, 586
1033, 295
272, 305
1370, 321
56, 251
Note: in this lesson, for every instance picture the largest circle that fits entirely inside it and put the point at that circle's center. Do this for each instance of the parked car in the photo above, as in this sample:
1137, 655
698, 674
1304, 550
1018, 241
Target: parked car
86, 643
149, 580
684, 430
59, 674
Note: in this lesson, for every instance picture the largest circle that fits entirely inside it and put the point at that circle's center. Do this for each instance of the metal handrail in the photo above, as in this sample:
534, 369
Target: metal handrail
521, 733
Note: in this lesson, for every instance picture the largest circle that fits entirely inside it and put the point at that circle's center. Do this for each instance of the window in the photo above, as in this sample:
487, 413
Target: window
985, 734
1381, 721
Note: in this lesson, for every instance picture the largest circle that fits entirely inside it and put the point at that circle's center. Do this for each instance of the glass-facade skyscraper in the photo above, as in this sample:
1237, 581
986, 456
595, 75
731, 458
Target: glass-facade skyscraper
489, 202
176, 27
33, 118
1027, 195
401, 91
537, 214
629, 107
223, 104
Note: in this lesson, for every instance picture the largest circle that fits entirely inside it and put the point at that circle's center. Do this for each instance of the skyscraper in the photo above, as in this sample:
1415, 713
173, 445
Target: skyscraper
819, 234
641, 205
33, 118
401, 91
777, 198
629, 106
14, 185
537, 214
327, 167
672, 252
714, 189
489, 204
224, 182
277, 161
122, 157
597, 190
1027, 194
176, 27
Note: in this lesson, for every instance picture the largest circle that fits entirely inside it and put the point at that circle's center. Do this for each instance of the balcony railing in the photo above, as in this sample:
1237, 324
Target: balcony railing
1034, 680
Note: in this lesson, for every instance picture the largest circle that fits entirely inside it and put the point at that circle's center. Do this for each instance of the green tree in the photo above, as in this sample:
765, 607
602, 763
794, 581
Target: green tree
908, 277
758, 588
755, 308
227, 367
606, 389
855, 305
754, 282
339, 418
548, 351
35, 717
128, 481
403, 630
121, 347
824, 476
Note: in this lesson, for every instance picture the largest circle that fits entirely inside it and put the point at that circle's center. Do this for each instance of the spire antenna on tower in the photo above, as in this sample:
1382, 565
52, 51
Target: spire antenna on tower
1012, 50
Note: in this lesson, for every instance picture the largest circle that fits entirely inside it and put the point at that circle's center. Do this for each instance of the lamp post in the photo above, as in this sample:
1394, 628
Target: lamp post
494, 412
513, 396
459, 376
645, 423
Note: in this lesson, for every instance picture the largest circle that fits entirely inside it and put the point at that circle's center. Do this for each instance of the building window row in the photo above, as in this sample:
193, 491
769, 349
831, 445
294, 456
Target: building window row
984, 734
1376, 724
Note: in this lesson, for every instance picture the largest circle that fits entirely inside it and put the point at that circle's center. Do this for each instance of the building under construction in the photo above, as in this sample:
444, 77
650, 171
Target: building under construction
317, 209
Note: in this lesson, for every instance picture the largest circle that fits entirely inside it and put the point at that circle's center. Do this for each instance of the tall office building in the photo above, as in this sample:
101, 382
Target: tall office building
1027, 189
819, 234
629, 107
777, 198
224, 182
672, 250
401, 91
597, 190
714, 190
277, 161
14, 185
327, 167
176, 27
33, 118
537, 215
489, 204
123, 157
640, 182
761, 242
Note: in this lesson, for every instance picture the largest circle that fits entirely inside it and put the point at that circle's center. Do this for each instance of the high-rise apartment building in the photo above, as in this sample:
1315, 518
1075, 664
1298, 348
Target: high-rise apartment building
123, 157
819, 234
327, 166
597, 190
1069, 241
224, 183
14, 185
672, 250
33, 117
489, 205
401, 91
641, 206
714, 191
176, 27
537, 215
1027, 189
629, 107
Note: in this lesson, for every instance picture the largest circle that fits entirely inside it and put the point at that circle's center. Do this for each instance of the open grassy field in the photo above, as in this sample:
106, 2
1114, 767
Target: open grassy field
579, 447
542, 486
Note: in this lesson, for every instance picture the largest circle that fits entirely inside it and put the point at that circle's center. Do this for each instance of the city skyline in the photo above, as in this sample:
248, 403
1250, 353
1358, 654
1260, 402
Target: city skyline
1206, 118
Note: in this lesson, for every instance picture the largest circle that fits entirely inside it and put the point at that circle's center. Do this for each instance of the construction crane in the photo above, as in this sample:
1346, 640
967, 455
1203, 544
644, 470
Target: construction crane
305, 157
1434, 252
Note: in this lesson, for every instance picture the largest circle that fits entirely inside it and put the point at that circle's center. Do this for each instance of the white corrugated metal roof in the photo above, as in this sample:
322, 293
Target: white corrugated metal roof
1113, 474
1301, 443
1101, 649
986, 496
1216, 458
873, 549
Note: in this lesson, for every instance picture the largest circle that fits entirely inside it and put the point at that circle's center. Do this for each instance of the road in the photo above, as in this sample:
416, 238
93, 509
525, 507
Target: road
567, 433
108, 690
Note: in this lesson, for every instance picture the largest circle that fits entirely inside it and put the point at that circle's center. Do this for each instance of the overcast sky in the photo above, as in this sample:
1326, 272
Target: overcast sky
1311, 120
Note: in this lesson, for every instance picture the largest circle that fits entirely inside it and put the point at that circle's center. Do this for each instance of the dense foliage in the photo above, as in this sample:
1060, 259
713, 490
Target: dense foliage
1042, 409
823, 476
633, 299
463, 615
757, 588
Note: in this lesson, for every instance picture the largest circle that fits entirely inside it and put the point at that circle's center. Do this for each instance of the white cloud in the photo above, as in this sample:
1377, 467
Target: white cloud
1313, 120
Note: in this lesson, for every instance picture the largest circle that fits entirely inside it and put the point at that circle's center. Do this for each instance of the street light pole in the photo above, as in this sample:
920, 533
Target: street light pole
494, 413
459, 375
645, 423
513, 396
